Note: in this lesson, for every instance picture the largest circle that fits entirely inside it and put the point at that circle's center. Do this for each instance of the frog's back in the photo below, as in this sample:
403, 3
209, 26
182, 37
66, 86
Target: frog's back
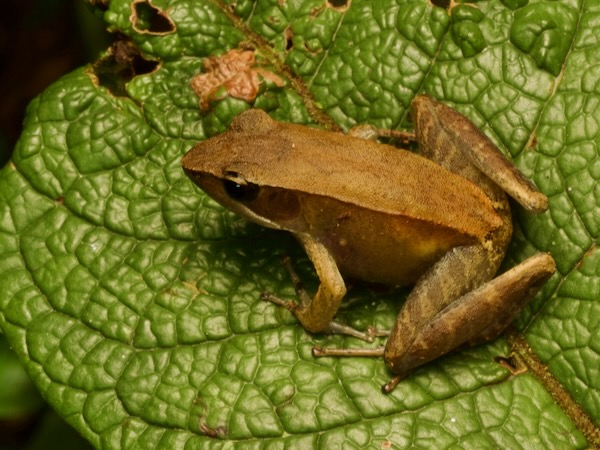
375, 176
356, 171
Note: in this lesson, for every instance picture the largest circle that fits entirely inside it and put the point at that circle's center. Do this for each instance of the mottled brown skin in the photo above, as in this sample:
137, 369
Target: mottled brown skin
439, 220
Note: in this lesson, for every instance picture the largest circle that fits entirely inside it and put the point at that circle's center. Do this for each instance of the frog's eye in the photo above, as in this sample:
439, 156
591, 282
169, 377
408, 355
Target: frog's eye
239, 189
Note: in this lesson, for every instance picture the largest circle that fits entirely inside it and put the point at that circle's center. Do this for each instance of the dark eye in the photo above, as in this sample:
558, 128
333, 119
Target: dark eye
241, 190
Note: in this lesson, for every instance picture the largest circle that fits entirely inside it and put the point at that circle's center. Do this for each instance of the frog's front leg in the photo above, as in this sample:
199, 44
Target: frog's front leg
317, 315
453, 304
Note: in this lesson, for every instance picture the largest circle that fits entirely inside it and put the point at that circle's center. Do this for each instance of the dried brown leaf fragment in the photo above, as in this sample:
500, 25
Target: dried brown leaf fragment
235, 74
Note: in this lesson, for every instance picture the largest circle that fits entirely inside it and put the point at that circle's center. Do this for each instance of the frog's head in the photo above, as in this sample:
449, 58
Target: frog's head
236, 169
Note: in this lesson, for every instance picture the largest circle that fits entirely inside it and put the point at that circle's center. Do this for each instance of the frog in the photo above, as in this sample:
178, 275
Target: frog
437, 218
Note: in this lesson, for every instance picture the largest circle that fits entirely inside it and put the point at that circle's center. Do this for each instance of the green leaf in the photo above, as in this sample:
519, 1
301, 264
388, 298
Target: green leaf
133, 299
545, 31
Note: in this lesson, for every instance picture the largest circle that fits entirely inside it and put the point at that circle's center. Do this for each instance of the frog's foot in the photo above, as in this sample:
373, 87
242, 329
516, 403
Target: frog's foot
287, 304
334, 327
391, 385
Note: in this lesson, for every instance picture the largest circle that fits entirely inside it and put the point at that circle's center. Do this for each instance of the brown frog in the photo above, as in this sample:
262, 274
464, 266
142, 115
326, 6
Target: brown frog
439, 220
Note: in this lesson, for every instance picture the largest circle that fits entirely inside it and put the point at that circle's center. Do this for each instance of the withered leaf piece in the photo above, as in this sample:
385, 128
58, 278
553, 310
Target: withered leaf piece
236, 72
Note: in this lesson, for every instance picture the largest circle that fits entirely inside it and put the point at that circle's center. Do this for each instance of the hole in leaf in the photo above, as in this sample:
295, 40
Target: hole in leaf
102, 5
512, 363
288, 34
340, 5
442, 3
213, 432
123, 62
148, 19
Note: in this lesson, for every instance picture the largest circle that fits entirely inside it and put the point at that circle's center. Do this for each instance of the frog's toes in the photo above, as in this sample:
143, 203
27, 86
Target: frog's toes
373, 333
287, 304
368, 335
391, 385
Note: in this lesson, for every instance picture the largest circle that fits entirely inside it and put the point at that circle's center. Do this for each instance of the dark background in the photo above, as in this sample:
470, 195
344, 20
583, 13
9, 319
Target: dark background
40, 40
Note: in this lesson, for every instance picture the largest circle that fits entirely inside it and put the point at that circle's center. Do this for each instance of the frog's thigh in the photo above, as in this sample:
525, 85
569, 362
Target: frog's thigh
498, 302
447, 309
317, 315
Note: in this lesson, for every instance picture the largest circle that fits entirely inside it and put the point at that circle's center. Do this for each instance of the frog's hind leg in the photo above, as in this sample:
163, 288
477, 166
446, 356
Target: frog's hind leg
456, 273
447, 310
453, 141
503, 297
454, 304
